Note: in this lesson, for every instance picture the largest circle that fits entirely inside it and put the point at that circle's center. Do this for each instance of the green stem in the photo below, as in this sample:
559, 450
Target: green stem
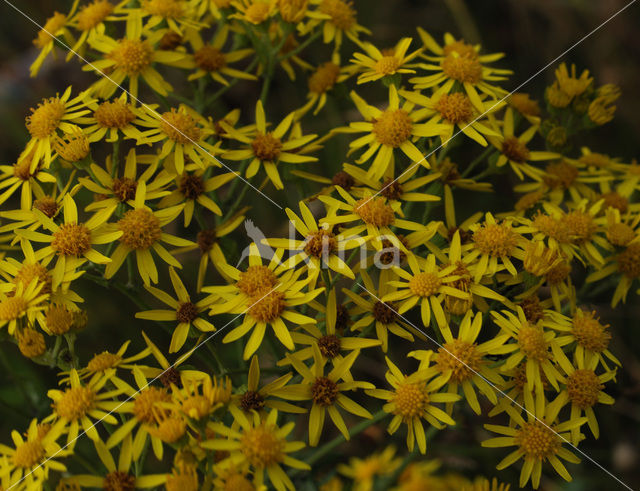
484, 155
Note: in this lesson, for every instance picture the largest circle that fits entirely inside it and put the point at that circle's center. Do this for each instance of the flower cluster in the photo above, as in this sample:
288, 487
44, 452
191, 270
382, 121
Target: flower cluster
385, 306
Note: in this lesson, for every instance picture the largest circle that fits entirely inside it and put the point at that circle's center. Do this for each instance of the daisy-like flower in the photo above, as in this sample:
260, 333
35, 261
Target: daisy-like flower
256, 398
332, 342
179, 15
52, 117
253, 11
412, 400
383, 315
462, 362
120, 476
25, 301
583, 389
192, 188
210, 59
185, 312
536, 345
184, 133
454, 111
112, 118
321, 248
513, 149
267, 148
320, 83
90, 20
326, 392
32, 458
459, 62
84, 402
265, 298
141, 231
73, 242
103, 362
199, 399
494, 244
388, 130
338, 19
539, 439
20, 175
375, 64
117, 190
56, 26
426, 284
261, 444
132, 58
364, 471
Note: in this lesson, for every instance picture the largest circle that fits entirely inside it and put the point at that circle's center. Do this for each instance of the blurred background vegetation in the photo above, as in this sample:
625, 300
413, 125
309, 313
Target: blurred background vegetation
531, 33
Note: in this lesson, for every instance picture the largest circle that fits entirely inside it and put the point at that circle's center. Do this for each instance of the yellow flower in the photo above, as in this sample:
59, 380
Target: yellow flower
102, 362
81, 403
72, 241
118, 476
412, 400
323, 79
388, 130
90, 20
326, 392
111, 118
539, 439
338, 19
569, 83
209, 58
376, 64
253, 11
131, 58
185, 312
265, 299
268, 148
56, 26
261, 444
20, 175
177, 14
364, 471
32, 458
140, 230
200, 398
427, 284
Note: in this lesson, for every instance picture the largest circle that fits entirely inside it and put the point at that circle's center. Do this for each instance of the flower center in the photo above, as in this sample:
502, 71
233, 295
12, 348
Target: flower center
410, 400
132, 55
191, 186
124, 188
31, 343
393, 127
620, 234
251, 400
580, 226
22, 169
461, 48
170, 428
180, 127
425, 284
495, 239
583, 387
71, 239
43, 121
343, 16
629, 261
140, 229
343, 319
460, 358
455, 108
103, 361
171, 376
93, 14
550, 227
28, 454
532, 309
462, 68
374, 211
324, 391
170, 41
344, 180
589, 332
256, 280
537, 441
515, 150
262, 447
560, 175
145, 401
329, 346
169, 9
613, 199
46, 205
266, 146
75, 403
28, 272
387, 65
392, 254
324, 78
532, 343
59, 319
257, 12
320, 244
119, 481
209, 59
115, 114
206, 239
384, 312
12, 308
50, 29
187, 312
391, 189
268, 308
